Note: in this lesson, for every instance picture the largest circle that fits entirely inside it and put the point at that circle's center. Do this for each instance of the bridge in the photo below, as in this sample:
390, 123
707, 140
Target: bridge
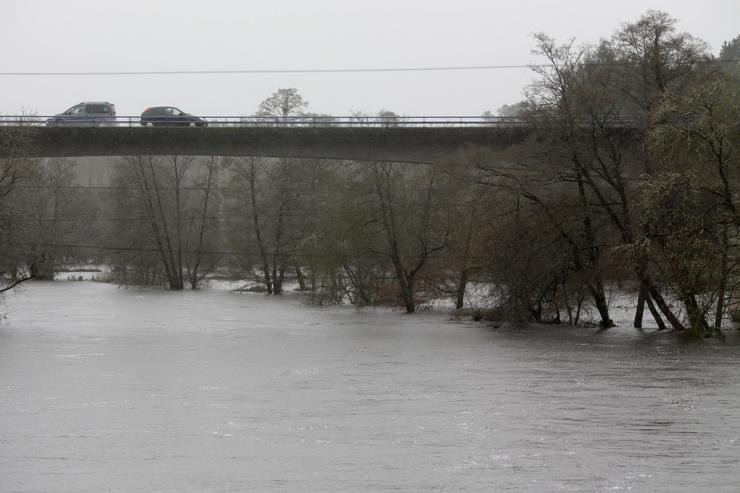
412, 139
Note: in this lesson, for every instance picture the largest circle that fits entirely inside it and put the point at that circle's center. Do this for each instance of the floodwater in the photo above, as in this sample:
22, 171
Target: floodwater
128, 390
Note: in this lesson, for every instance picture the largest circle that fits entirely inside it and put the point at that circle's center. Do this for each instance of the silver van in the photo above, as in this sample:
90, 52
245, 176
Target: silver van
89, 114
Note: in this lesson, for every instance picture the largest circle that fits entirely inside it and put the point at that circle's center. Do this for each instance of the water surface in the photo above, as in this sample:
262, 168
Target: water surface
111, 389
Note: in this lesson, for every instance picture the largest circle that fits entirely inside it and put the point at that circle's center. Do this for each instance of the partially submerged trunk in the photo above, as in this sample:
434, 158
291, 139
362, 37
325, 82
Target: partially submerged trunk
194, 273
461, 287
257, 229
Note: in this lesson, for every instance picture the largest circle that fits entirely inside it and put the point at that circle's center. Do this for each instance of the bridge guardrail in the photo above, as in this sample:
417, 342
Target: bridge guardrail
307, 121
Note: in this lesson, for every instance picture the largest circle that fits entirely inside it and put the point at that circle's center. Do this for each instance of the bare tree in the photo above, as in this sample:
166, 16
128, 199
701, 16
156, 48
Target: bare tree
411, 240
283, 105
174, 219
15, 169
199, 263
56, 216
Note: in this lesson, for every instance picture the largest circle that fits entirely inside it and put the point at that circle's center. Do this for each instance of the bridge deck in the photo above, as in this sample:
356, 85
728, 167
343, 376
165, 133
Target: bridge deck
418, 144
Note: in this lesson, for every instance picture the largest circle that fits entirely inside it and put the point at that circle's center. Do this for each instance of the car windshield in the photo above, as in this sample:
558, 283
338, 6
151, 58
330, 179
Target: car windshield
74, 110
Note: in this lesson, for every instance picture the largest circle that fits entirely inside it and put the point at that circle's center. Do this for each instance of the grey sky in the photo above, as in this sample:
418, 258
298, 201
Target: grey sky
108, 35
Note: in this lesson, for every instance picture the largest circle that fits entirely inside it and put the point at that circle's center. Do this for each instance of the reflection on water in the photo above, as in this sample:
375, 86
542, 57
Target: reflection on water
109, 389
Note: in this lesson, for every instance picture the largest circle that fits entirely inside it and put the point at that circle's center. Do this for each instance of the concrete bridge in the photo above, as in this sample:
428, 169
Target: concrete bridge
410, 144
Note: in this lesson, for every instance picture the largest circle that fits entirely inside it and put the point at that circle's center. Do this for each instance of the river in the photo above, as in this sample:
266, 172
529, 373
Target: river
123, 390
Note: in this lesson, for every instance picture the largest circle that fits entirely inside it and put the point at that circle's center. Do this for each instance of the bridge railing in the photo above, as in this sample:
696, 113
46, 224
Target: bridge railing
291, 121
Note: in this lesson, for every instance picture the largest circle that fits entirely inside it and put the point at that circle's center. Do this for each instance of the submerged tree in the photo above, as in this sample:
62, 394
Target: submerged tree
410, 240
595, 107
15, 170
56, 217
695, 144
168, 240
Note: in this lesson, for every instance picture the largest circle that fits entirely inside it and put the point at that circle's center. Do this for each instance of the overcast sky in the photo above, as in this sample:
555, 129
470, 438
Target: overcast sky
160, 35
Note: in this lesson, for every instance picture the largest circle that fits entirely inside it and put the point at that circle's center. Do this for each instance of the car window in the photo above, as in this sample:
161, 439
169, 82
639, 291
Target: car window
74, 110
97, 108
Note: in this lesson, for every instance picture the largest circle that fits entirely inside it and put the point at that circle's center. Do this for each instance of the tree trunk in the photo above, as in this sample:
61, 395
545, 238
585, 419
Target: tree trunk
654, 312
194, 278
597, 292
658, 298
278, 274
161, 235
640, 307
697, 323
301, 279
407, 293
278, 269
461, 286
257, 229
722, 284
175, 278
594, 254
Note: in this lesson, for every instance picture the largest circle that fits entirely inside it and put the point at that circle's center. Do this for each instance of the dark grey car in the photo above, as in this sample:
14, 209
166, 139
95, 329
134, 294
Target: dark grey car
170, 116
92, 114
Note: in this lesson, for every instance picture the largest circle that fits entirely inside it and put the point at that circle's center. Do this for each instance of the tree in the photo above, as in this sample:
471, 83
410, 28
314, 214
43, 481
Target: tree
56, 215
202, 234
729, 57
169, 236
387, 118
650, 57
473, 205
282, 105
14, 171
273, 199
554, 99
581, 99
409, 240
695, 142
245, 185
512, 110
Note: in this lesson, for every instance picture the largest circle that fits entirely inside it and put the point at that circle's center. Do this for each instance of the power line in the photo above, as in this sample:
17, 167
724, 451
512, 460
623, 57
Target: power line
449, 68
274, 71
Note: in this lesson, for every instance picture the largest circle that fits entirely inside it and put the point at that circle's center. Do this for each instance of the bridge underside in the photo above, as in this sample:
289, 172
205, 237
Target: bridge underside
411, 144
